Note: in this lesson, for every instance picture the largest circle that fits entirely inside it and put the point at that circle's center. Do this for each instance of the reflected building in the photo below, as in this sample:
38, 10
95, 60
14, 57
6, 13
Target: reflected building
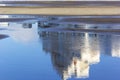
105, 43
110, 44
72, 53
115, 46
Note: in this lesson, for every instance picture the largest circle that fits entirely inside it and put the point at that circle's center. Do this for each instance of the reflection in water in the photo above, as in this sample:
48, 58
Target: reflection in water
20, 32
73, 53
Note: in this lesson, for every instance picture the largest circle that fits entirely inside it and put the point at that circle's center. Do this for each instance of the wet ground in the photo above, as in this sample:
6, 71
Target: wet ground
38, 50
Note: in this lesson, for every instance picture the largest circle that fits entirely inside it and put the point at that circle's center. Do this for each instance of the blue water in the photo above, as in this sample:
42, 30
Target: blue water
32, 54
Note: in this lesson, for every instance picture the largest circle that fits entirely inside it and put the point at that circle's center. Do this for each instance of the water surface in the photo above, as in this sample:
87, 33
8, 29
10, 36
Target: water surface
28, 53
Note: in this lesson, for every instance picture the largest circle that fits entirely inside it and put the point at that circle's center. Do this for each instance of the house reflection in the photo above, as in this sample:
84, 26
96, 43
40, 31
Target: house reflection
72, 53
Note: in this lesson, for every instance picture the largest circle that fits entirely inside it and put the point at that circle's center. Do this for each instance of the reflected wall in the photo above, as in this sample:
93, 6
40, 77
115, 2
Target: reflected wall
72, 53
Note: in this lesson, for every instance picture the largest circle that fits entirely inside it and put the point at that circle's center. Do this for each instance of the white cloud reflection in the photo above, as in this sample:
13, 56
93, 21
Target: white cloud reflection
20, 34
